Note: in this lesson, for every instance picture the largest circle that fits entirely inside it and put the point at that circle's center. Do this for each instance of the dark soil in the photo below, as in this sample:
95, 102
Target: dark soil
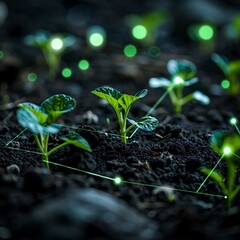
67, 203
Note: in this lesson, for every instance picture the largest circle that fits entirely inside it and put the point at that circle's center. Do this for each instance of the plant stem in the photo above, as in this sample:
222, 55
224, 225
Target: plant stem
56, 148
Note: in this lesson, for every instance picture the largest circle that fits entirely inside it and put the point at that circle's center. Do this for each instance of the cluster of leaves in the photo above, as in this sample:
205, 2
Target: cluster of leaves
183, 74
231, 70
44, 41
40, 120
230, 186
122, 104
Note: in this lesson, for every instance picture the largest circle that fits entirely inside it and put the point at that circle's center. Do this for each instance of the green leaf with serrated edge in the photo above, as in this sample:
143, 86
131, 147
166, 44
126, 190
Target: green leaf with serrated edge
215, 176
36, 110
109, 94
222, 62
147, 123
182, 68
76, 140
57, 105
29, 121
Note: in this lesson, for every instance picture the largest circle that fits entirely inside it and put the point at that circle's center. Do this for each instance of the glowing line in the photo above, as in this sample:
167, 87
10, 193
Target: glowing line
210, 173
133, 183
15, 137
235, 125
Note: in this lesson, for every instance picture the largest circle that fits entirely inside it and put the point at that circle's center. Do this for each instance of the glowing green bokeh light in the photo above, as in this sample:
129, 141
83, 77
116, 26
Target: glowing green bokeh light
117, 180
227, 150
206, 32
178, 80
225, 84
96, 39
139, 32
130, 51
31, 77
56, 44
66, 72
233, 121
83, 65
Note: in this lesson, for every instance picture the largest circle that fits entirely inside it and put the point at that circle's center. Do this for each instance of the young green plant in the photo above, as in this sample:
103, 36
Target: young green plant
227, 145
182, 75
40, 121
52, 47
122, 104
231, 70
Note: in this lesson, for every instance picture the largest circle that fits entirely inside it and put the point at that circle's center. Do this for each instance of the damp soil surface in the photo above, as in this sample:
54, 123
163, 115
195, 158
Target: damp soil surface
77, 197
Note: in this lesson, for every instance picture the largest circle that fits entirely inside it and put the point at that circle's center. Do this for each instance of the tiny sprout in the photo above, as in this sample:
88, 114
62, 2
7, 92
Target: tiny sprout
40, 120
122, 104
229, 145
231, 70
52, 47
182, 75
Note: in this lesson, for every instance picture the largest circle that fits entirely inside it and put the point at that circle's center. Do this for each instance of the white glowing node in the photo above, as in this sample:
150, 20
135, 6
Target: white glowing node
56, 44
178, 80
227, 150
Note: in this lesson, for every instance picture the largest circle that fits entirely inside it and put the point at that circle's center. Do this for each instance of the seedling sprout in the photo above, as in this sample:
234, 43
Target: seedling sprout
52, 47
231, 70
122, 104
40, 121
182, 75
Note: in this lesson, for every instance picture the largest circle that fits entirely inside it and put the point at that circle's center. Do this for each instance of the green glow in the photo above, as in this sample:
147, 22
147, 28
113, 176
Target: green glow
117, 180
139, 32
96, 39
83, 65
31, 77
205, 32
66, 72
154, 51
227, 150
1, 54
56, 44
233, 120
225, 84
178, 80
130, 51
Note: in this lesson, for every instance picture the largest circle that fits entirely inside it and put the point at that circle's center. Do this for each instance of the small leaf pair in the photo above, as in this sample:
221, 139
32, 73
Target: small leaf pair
40, 120
122, 104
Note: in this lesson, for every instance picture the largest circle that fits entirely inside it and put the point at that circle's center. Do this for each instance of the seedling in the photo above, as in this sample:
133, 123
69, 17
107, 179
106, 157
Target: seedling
182, 75
228, 145
122, 104
40, 120
231, 70
52, 47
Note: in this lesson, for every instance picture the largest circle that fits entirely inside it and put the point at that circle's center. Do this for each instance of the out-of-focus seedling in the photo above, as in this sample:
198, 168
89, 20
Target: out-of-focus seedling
40, 120
227, 145
231, 70
52, 47
183, 74
122, 104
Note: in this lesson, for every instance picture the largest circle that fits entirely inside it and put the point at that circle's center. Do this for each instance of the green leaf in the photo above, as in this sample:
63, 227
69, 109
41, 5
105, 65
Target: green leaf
76, 140
222, 62
126, 100
217, 177
202, 98
57, 105
182, 68
109, 94
36, 110
28, 119
147, 123
159, 82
